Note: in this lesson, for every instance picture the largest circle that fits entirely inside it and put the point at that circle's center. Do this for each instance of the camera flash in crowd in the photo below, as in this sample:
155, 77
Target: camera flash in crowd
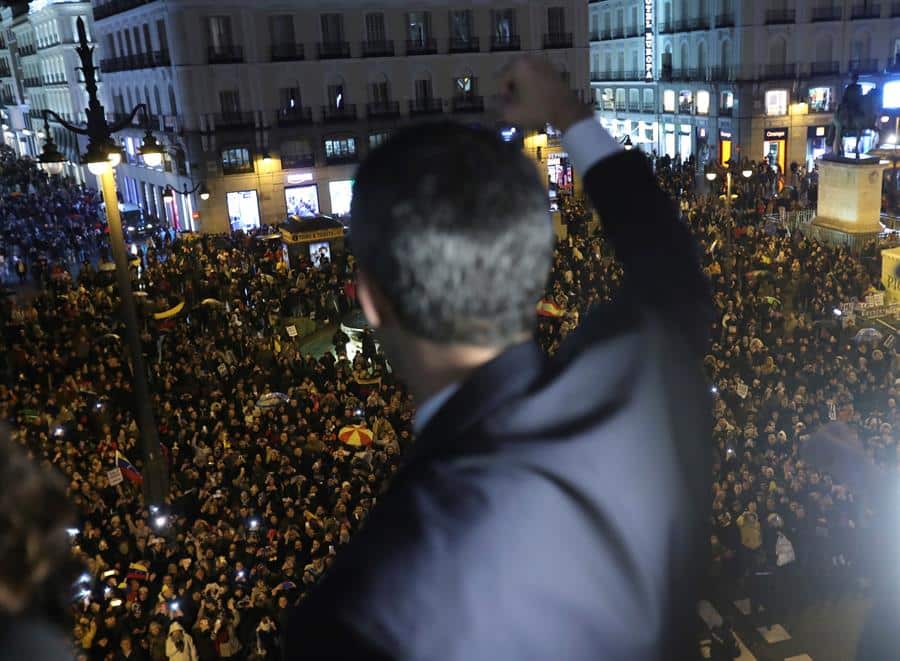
161, 521
837, 312
72, 531
59, 431
254, 524
173, 606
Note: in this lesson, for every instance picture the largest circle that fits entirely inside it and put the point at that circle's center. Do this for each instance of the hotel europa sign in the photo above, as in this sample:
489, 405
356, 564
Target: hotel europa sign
648, 40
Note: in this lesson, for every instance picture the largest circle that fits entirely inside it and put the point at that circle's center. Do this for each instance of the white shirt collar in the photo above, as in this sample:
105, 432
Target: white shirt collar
427, 410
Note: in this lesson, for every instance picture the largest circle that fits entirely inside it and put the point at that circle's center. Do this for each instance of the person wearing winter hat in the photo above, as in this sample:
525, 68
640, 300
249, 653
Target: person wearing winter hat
180, 645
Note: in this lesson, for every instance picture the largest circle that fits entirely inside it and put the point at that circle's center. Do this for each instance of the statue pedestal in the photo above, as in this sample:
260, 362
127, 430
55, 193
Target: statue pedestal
849, 211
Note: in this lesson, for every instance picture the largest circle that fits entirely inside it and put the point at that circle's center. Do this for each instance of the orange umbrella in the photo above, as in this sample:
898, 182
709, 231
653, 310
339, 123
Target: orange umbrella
356, 435
548, 308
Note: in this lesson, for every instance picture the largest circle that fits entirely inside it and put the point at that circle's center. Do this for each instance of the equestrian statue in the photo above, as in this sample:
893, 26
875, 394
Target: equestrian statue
856, 114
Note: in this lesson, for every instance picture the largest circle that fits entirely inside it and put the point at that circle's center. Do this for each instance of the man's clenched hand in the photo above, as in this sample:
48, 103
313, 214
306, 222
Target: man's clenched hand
535, 94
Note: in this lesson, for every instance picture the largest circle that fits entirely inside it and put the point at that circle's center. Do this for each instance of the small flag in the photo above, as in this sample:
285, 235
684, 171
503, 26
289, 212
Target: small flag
128, 470
138, 571
548, 308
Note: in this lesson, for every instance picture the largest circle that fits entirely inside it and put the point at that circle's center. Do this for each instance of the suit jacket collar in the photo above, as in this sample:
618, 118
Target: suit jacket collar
495, 383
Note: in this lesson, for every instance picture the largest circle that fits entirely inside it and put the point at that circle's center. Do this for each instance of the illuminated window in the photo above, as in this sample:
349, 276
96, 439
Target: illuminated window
820, 99
892, 94
340, 148
236, 160
776, 102
685, 101
669, 101
377, 139
702, 102
727, 101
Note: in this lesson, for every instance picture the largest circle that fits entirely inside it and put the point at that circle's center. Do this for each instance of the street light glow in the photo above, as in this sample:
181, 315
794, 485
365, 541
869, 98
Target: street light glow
99, 168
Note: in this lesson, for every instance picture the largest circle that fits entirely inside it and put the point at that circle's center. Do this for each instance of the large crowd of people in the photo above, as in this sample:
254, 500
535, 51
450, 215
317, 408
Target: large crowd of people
263, 492
265, 489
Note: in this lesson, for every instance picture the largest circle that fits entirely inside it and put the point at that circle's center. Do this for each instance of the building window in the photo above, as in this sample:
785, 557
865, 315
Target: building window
375, 32
556, 20
649, 102
669, 101
336, 96
634, 100
218, 29
230, 102
236, 160
776, 102
727, 101
333, 28
461, 26
297, 154
281, 30
819, 99
377, 139
288, 98
702, 102
302, 201
504, 25
418, 28
685, 101
341, 193
608, 99
340, 148
380, 91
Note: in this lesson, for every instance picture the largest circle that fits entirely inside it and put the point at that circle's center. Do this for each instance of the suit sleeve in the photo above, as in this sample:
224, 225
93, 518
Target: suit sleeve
657, 252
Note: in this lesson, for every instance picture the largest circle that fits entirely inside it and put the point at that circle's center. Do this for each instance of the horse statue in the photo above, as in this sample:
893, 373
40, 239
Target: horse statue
856, 114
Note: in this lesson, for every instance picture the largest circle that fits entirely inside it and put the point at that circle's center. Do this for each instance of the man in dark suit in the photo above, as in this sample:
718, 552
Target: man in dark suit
550, 508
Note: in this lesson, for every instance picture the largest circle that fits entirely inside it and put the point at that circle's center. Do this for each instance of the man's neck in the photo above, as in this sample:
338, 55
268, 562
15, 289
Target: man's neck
440, 366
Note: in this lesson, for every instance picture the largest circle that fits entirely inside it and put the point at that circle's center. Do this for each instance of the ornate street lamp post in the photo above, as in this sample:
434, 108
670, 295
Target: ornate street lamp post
102, 155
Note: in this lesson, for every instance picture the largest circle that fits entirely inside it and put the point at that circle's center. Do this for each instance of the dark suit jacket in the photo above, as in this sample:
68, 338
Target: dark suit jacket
552, 508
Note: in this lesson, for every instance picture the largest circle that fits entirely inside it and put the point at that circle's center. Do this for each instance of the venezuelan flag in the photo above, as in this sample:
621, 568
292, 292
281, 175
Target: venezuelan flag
138, 570
128, 470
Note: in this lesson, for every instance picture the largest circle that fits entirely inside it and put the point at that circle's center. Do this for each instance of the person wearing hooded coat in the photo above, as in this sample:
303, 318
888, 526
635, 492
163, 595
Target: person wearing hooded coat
180, 645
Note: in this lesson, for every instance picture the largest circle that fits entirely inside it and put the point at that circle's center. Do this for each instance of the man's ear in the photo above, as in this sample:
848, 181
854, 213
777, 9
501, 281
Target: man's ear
373, 302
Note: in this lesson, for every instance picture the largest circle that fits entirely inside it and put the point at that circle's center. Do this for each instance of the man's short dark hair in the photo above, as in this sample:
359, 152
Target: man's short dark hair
452, 224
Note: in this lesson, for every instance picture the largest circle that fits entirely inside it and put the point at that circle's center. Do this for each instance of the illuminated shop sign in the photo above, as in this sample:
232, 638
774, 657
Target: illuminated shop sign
776, 134
648, 39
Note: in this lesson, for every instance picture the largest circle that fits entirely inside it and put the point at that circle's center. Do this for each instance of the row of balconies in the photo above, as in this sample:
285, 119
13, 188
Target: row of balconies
687, 25
158, 58
349, 112
772, 17
328, 114
27, 49
234, 54
766, 72
49, 44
